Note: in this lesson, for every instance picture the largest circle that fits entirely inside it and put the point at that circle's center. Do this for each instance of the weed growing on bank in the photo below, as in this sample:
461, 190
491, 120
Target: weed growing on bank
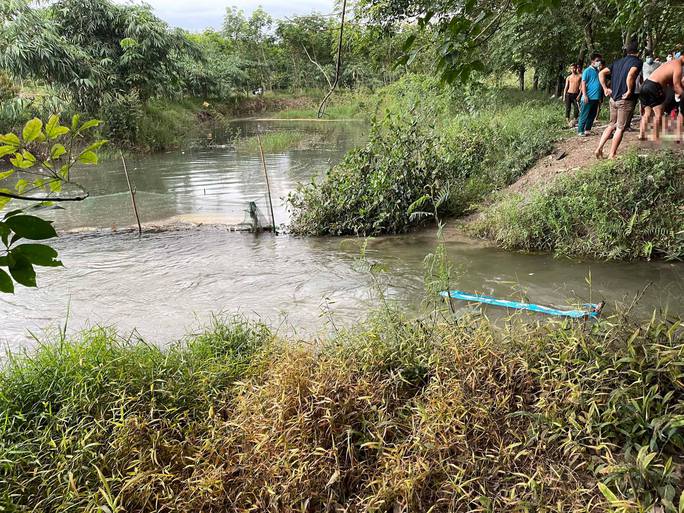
628, 209
279, 141
429, 151
394, 415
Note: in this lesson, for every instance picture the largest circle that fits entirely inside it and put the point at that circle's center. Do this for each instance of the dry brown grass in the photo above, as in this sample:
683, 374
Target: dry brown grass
402, 417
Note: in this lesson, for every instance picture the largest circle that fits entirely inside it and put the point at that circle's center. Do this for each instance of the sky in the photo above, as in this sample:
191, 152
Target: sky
196, 15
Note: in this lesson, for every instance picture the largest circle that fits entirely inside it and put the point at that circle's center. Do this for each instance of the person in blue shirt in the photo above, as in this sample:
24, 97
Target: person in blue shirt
623, 75
591, 93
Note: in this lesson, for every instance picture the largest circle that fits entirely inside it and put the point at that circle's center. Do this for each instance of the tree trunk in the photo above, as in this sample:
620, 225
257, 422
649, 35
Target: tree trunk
626, 39
535, 83
589, 37
582, 56
521, 77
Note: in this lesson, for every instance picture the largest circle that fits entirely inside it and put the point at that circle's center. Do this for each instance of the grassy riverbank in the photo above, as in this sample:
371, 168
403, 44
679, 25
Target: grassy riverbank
164, 124
395, 415
432, 151
628, 209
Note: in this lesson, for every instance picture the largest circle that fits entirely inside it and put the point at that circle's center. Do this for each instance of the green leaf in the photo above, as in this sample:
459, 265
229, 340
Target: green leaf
4, 233
6, 284
74, 122
57, 151
608, 494
4, 200
96, 145
681, 502
6, 150
88, 158
10, 139
32, 130
21, 185
55, 186
38, 254
53, 129
13, 213
6, 174
31, 227
53, 122
28, 156
22, 271
89, 124
19, 162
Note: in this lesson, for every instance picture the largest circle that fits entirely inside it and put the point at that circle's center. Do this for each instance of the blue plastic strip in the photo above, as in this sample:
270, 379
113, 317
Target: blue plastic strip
488, 300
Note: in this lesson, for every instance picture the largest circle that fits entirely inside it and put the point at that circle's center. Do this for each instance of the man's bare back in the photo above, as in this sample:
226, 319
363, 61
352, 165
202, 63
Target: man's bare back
669, 75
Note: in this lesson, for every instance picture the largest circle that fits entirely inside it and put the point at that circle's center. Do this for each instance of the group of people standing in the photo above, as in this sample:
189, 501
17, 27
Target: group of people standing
657, 85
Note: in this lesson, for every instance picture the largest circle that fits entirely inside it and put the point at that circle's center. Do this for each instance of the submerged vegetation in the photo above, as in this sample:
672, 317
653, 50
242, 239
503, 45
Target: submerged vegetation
431, 151
394, 415
628, 209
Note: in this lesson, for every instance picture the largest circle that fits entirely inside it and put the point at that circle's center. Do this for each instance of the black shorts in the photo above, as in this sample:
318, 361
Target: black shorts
652, 94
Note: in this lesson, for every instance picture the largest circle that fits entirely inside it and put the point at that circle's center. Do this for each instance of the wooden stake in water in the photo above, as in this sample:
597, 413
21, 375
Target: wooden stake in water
268, 185
130, 189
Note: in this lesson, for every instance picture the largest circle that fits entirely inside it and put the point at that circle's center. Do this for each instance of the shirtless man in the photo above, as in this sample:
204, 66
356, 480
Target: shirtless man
660, 89
571, 92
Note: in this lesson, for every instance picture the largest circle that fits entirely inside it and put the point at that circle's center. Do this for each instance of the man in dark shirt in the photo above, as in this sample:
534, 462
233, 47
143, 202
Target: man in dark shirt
623, 75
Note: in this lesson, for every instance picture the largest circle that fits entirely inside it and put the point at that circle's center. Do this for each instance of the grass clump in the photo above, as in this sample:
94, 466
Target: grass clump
81, 416
628, 209
394, 415
272, 142
426, 156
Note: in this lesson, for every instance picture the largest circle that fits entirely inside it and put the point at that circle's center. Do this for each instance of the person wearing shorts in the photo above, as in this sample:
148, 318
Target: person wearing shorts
623, 75
661, 90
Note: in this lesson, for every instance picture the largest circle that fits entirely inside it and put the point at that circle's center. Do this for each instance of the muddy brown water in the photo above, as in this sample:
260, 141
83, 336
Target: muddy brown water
169, 283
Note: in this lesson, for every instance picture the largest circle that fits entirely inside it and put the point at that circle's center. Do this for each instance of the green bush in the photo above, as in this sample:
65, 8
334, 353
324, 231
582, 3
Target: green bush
427, 156
627, 209
123, 114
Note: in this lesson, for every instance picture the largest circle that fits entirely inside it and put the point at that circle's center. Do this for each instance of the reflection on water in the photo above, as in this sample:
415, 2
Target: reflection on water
219, 183
166, 284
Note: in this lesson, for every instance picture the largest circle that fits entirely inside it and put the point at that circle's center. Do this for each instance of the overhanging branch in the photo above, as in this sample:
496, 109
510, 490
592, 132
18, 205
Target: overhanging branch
41, 198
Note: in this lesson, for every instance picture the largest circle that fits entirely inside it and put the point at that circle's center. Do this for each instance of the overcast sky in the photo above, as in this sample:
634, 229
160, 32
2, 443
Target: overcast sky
197, 15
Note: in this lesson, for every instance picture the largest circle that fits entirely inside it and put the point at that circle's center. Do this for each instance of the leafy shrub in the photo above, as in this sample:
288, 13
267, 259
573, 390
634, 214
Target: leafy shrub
628, 209
123, 113
423, 161
371, 191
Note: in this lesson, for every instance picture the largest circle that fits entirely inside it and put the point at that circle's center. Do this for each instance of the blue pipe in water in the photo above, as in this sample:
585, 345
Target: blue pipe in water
592, 312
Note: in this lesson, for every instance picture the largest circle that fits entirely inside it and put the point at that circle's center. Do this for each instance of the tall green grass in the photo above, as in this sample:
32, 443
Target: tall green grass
628, 209
393, 415
273, 141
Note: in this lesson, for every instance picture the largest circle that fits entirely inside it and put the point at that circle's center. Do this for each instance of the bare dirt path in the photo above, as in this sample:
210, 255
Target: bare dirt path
571, 155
